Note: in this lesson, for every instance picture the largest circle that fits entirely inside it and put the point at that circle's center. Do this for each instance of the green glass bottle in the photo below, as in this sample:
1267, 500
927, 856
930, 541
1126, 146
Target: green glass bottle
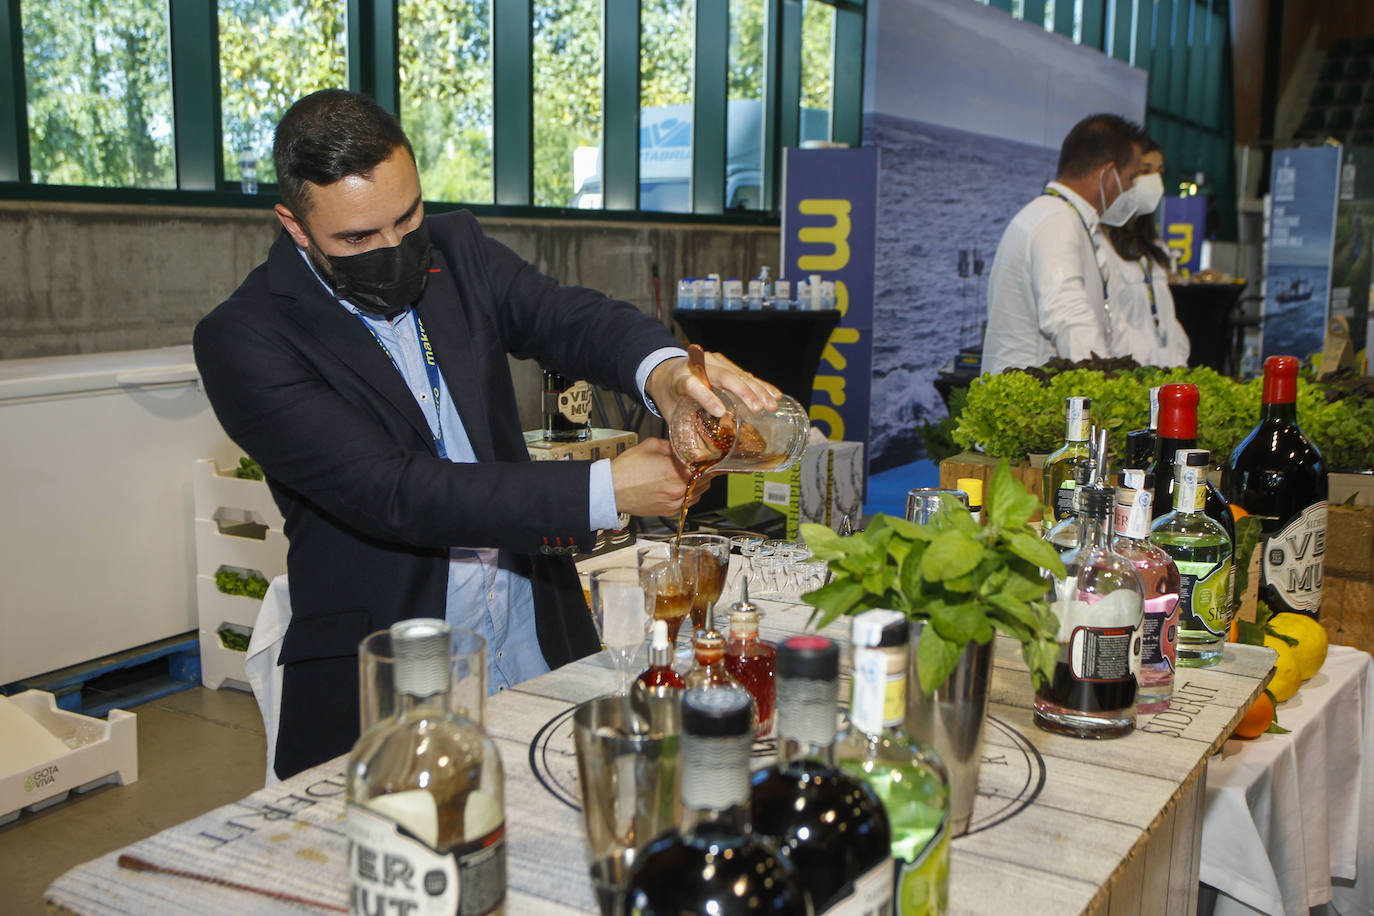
1202, 551
1061, 467
908, 776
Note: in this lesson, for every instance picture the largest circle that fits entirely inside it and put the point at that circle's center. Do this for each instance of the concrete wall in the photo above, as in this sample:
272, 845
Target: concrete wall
89, 278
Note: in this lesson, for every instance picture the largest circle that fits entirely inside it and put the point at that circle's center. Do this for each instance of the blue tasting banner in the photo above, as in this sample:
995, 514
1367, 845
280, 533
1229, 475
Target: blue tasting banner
829, 228
1302, 225
1182, 224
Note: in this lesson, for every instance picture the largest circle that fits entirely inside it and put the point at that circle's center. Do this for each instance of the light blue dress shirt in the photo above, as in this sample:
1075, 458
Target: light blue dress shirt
483, 596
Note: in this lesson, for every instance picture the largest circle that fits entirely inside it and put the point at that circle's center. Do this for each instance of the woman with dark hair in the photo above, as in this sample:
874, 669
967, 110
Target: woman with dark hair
1142, 319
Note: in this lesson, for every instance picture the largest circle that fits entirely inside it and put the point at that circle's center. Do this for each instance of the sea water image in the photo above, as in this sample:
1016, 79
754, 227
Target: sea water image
945, 196
1295, 310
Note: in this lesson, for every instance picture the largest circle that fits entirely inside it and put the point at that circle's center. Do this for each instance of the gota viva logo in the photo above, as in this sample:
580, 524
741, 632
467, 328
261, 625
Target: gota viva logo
40, 779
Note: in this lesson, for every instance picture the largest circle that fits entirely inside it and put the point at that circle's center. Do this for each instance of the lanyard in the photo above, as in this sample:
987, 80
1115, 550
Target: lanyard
1154, 308
431, 369
1054, 192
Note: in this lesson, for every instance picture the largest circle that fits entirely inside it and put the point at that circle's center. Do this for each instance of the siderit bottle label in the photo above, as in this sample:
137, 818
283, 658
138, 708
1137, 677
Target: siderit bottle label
391, 871
922, 885
1063, 500
1204, 596
1103, 654
1292, 559
1161, 631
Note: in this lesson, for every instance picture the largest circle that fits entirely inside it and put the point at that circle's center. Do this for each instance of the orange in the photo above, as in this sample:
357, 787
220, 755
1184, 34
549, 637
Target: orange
1237, 513
1258, 718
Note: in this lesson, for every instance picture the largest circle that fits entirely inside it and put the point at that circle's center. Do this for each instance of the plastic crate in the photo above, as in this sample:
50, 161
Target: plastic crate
101, 752
216, 609
216, 489
215, 549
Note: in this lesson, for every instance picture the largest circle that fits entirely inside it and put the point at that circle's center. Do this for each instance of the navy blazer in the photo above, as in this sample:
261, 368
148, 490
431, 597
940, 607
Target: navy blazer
370, 508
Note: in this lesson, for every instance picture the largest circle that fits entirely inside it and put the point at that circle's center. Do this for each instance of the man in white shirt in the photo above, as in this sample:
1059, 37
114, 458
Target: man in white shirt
1047, 292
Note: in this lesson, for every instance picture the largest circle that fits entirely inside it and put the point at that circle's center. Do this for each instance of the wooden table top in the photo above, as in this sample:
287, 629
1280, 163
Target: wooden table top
1058, 822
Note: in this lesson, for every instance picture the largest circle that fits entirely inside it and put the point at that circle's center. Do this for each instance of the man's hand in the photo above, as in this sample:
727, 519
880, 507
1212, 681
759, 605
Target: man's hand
648, 480
672, 381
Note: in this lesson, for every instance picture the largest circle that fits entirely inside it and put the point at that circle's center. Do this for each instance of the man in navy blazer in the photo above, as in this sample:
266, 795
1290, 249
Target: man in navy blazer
364, 366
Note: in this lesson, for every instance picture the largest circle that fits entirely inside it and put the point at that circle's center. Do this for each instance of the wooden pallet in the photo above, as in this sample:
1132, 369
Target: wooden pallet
122, 680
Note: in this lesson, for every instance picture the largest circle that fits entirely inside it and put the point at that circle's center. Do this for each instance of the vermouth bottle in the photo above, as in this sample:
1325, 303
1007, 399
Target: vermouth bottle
1099, 603
714, 863
1202, 552
1277, 475
907, 775
1060, 467
828, 823
1177, 431
567, 405
425, 799
1159, 580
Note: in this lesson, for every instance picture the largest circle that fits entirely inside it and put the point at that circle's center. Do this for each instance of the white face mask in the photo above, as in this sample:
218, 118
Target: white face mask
1148, 191
1122, 209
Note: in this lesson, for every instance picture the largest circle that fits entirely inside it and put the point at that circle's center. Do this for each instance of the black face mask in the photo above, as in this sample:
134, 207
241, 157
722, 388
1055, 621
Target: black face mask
383, 281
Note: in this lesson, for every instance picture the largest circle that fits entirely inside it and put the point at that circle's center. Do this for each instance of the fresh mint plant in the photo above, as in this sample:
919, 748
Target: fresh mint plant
965, 580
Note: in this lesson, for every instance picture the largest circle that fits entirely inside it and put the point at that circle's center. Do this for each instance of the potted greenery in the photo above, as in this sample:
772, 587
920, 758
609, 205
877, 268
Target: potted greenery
959, 583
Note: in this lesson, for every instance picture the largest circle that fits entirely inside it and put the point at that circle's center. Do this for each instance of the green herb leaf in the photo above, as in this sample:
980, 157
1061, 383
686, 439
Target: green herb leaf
821, 541
1041, 656
935, 659
905, 529
959, 623
1275, 729
1247, 536
833, 599
1250, 634
1036, 551
950, 556
1007, 502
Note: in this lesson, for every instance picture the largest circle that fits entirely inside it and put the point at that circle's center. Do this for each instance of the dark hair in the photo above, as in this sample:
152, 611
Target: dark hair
1098, 139
327, 136
1139, 238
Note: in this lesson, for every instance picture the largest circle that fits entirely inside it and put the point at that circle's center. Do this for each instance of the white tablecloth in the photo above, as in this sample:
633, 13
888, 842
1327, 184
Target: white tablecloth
1287, 814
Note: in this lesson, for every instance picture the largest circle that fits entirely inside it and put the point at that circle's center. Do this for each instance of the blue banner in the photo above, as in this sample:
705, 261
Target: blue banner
1302, 225
829, 227
1181, 224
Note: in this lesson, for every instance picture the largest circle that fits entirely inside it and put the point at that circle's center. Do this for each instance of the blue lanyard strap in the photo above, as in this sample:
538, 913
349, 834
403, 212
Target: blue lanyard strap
1054, 192
1150, 289
431, 369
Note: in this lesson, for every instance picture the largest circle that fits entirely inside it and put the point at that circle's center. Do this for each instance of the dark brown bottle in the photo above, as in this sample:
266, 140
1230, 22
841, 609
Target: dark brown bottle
567, 405
1277, 475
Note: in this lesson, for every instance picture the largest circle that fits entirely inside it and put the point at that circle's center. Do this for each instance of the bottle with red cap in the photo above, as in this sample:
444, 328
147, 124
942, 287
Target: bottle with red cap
1177, 431
1277, 475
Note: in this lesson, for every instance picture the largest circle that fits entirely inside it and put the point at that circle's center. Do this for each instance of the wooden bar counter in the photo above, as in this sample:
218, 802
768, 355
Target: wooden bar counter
1060, 825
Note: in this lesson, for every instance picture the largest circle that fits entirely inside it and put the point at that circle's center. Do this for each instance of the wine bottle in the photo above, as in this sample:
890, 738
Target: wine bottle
1159, 580
1058, 481
659, 679
828, 823
715, 862
1178, 430
1064, 534
1277, 475
567, 405
908, 776
1142, 443
1100, 606
1202, 552
425, 813
752, 661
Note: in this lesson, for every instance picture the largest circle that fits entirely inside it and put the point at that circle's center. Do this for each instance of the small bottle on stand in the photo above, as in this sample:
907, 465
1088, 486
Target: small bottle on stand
659, 678
1159, 580
752, 661
567, 407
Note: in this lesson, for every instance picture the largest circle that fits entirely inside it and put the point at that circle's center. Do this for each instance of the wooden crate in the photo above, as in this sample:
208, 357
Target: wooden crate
973, 464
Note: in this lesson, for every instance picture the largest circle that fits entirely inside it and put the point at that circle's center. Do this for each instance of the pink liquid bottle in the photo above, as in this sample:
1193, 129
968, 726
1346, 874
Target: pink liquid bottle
1159, 580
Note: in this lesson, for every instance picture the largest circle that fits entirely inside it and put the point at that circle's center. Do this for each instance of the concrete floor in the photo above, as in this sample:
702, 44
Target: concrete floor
197, 750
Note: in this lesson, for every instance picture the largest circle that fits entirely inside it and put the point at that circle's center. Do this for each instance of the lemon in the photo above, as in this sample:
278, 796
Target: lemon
1287, 677
1310, 651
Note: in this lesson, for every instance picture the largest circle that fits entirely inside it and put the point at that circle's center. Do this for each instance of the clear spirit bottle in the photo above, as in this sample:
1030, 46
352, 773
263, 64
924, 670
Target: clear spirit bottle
908, 776
1061, 465
1159, 580
1201, 549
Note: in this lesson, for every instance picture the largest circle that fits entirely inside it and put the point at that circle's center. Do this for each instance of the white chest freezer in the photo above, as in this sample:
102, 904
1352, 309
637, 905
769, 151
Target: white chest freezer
97, 545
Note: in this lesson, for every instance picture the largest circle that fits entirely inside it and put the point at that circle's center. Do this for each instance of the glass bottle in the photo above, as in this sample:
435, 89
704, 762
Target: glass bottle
567, 405
908, 776
1178, 431
1159, 580
1202, 552
708, 649
1064, 534
715, 862
659, 678
828, 823
752, 661
1277, 475
1141, 444
1058, 483
1100, 604
425, 794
